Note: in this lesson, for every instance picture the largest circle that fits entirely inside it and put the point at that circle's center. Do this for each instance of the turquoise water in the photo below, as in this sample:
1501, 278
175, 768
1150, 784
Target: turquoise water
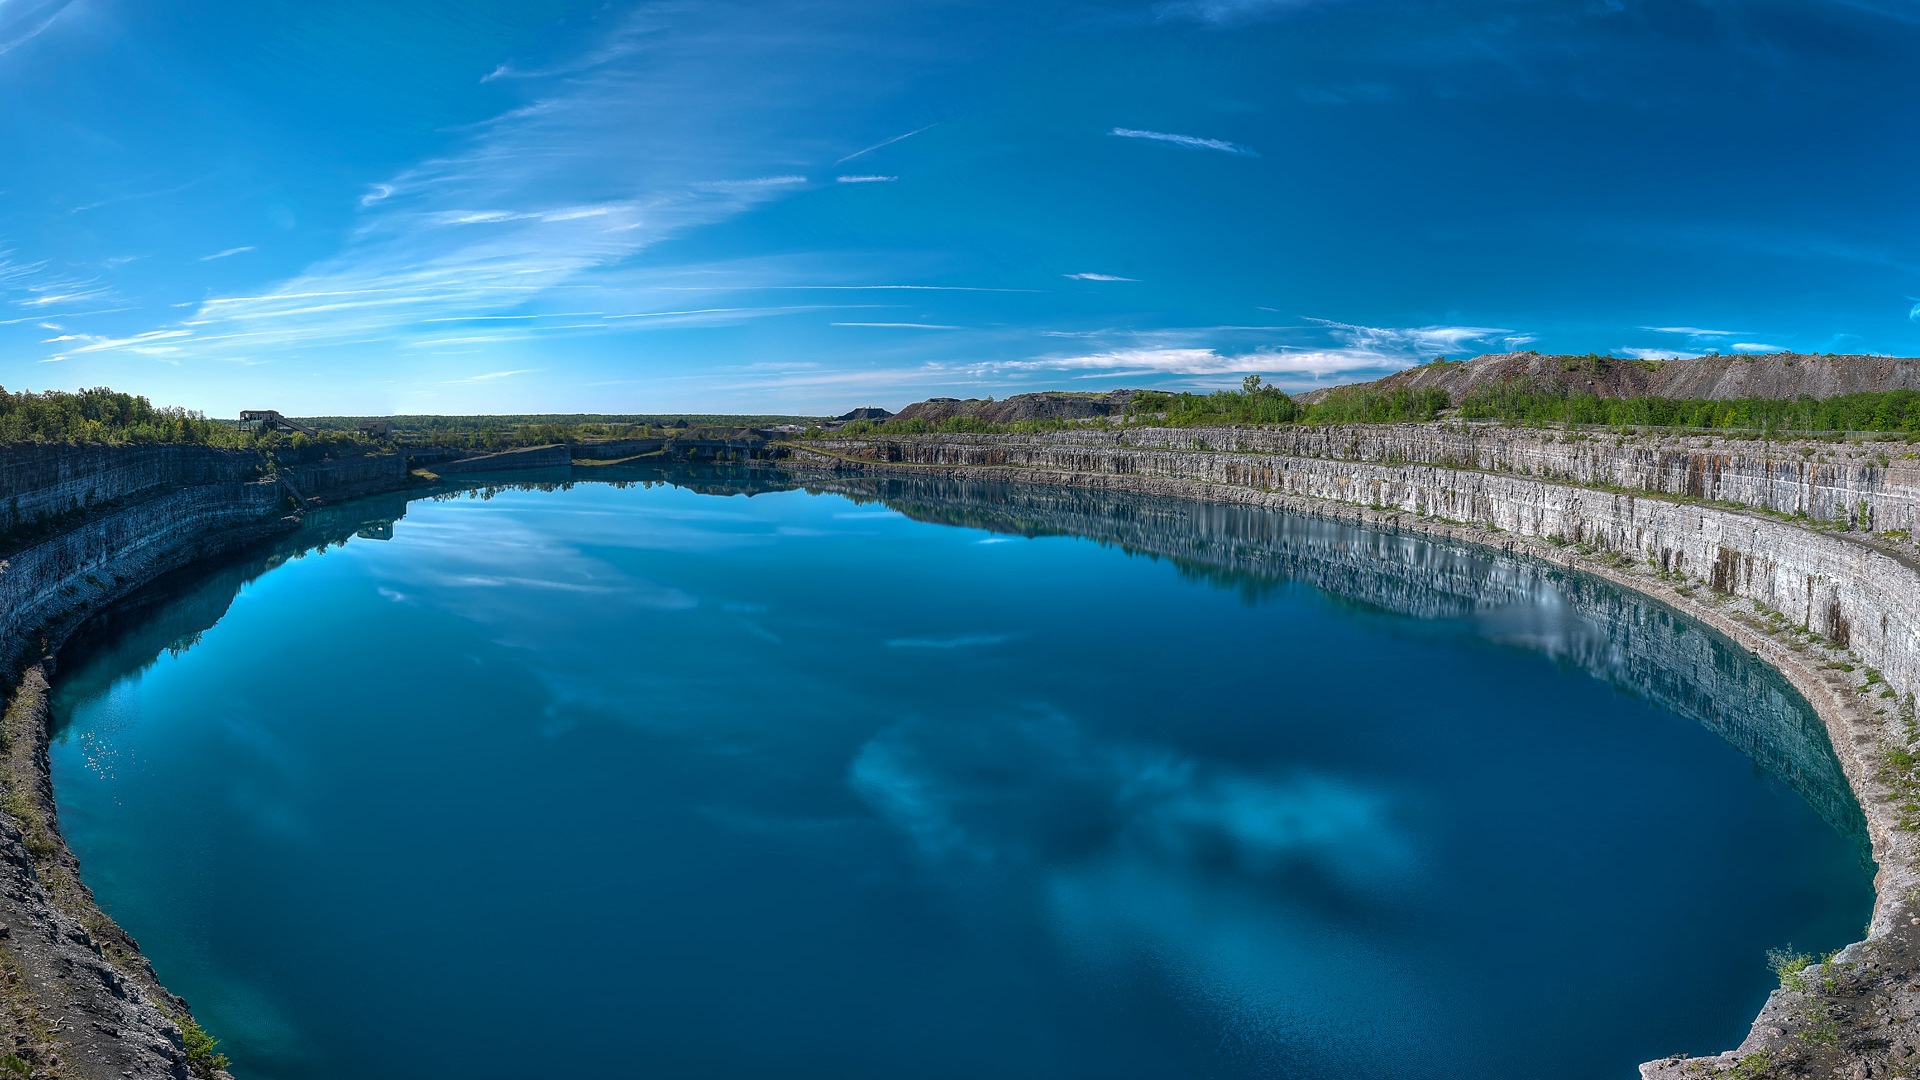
937, 780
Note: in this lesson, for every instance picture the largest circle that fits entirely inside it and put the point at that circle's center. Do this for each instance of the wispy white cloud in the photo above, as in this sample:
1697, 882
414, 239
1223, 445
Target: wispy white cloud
227, 254
1661, 354
40, 288
884, 143
901, 325
1690, 331
1343, 351
687, 312
491, 376
1414, 341
544, 206
866, 179
844, 288
23, 20
1098, 277
1757, 347
625, 40
1193, 141
145, 193
756, 182
517, 318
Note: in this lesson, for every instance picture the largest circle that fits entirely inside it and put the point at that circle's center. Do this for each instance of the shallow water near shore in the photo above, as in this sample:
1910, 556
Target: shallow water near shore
937, 779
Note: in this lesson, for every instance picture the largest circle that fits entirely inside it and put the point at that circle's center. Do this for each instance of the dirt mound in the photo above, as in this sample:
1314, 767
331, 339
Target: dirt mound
1046, 405
1774, 375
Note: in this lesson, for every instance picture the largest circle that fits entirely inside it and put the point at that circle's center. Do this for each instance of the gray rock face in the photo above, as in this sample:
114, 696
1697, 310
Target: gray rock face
77, 998
1853, 592
1618, 636
1876, 485
1720, 528
1046, 405
44, 481
1776, 375
105, 556
533, 457
1739, 564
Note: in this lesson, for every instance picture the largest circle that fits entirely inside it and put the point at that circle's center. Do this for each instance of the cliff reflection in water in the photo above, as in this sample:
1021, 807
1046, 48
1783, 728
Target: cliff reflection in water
1631, 641
1316, 805
170, 615
1634, 643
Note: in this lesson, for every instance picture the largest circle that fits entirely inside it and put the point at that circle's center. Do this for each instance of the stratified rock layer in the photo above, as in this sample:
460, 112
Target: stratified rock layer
1801, 552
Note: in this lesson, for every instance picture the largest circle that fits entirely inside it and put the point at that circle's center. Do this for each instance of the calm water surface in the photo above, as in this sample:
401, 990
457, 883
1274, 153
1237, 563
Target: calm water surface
640, 781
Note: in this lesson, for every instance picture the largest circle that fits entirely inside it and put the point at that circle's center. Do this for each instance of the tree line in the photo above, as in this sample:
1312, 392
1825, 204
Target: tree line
100, 415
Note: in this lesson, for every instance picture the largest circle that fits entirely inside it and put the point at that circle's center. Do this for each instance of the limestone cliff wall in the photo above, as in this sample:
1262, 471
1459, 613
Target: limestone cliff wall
334, 476
1693, 510
1835, 482
90, 525
1616, 635
38, 481
1862, 595
1706, 529
533, 457
112, 551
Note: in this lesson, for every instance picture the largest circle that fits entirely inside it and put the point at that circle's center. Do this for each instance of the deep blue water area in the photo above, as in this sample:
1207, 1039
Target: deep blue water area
937, 780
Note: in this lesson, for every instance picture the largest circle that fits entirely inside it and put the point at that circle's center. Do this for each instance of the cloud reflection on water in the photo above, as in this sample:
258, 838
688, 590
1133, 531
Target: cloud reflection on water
1223, 882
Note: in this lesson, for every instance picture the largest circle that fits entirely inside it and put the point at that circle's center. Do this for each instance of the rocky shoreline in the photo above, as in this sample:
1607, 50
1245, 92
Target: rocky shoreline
1778, 557
77, 997
1800, 552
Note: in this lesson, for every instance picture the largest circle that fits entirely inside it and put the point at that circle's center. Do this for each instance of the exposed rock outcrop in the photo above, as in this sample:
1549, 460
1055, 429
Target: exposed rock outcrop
1773, 375
533, 457
1801, 552
1635, 644
87, 526
1046, 405
40, 483
1834, 607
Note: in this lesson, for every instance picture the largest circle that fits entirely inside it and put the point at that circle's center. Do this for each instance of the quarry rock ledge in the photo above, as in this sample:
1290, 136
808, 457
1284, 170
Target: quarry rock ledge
1800, 552
1779, 562
82, 528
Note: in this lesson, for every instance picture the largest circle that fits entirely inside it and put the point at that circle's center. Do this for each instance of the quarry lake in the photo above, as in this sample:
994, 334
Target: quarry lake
741, 775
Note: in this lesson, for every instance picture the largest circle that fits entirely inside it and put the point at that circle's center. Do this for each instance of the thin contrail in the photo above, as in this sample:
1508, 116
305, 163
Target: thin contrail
889, 142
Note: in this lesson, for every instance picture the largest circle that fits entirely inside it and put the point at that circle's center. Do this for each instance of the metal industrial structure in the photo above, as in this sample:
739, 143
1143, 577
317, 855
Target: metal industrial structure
271, 420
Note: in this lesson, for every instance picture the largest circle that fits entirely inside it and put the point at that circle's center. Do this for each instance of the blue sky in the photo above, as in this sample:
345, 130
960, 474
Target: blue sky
462, 205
